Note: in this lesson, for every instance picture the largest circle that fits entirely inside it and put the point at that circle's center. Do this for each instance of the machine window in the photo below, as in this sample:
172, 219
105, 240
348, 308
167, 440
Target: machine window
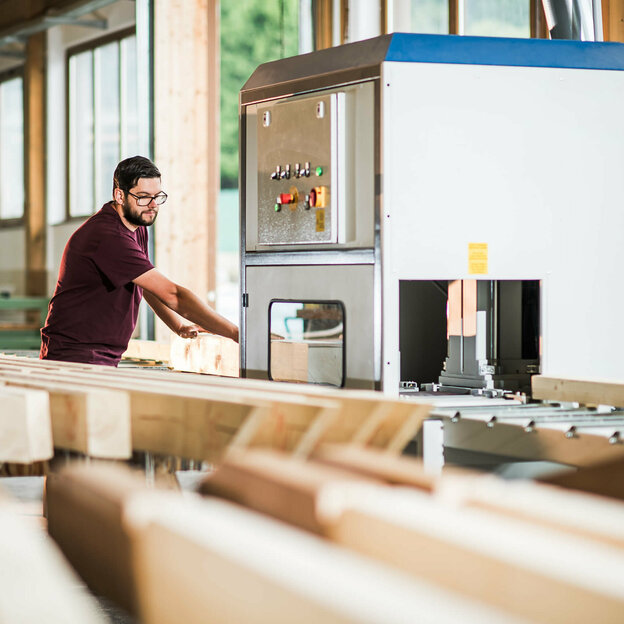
307, 342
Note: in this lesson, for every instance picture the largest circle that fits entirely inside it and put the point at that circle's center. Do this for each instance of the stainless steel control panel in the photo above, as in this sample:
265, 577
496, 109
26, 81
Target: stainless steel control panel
300, 155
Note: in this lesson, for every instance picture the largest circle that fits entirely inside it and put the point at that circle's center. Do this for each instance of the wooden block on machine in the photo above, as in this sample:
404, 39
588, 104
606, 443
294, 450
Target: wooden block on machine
148, 350
276, 484
85, 505
534, 572
208, 353
289, 361
25, 429
207, 561
36, 583
578, 391
604, 479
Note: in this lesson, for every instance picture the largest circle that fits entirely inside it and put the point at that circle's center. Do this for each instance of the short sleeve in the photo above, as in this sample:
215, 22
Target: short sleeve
121, 259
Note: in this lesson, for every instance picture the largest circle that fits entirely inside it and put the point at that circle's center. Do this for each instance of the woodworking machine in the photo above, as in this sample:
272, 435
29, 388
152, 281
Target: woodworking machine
440, 211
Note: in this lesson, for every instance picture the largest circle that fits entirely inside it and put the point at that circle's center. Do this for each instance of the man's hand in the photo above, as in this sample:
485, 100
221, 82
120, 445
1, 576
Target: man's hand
190, 331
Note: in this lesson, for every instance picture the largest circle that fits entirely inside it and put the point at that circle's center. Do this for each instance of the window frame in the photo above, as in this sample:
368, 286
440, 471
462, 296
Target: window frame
10, 74
88, 46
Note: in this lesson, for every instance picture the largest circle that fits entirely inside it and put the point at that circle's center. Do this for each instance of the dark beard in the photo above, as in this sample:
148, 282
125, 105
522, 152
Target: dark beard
133, 217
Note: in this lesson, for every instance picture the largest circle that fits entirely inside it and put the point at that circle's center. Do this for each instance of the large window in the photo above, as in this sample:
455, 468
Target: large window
252, 32
497, 18
11, 147
102, 119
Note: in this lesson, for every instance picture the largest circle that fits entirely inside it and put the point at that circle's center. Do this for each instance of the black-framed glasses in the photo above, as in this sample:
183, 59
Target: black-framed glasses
146, 200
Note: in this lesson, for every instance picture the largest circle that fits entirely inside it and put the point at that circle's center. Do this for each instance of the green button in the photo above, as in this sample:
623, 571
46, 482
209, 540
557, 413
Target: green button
277, 207
319, 171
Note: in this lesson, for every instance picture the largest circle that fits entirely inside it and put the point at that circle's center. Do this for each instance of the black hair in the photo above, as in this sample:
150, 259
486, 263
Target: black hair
128, 172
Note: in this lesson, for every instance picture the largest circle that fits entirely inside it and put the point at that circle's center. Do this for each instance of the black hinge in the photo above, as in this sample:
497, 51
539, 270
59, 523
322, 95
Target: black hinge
245, 300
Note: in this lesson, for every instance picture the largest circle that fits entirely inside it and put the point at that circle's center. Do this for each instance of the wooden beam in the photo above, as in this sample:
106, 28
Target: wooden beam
604, 479
278, 485
25, 429
85, 505
613, 20
578, 391
148, 350
208, 353
92, 421
363, 417
171, 419
209, 561
186, 142
34, 160
497, 560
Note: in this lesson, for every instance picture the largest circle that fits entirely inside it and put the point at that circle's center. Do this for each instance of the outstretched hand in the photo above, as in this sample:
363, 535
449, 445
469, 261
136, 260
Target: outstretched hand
190, 331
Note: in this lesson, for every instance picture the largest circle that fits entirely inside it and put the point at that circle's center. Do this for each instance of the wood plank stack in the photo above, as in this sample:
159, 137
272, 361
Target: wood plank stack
107, 413
305, 541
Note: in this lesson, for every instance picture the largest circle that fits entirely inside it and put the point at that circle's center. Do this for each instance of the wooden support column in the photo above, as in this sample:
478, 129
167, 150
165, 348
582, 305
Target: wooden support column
454, 17
186, 132
322, 15
34, 157
539, 28
613, 20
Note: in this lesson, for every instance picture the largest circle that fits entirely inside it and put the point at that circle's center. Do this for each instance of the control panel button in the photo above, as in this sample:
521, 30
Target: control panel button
306, 170
319, 171
277, 208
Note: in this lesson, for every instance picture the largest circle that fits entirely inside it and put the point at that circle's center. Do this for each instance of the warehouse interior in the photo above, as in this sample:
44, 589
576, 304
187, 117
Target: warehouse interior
411, 211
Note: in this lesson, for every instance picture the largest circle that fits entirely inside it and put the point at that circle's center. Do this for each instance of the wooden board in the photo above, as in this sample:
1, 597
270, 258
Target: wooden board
209, 561
534, 572
148, 350
85, 506
373, 463
25, 428
208, 353
278, 485
37, 584
578, 391
89, 420
172, 419
604, 479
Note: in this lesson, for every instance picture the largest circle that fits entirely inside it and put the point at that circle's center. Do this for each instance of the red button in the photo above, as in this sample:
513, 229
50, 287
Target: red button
286, 198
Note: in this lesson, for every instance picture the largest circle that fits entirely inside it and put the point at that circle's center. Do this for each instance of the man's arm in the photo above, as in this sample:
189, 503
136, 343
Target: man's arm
172, 296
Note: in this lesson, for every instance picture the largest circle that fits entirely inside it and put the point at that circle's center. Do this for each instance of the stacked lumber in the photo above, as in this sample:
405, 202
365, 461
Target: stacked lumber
108, 413
36, 583
305, 540
473, 535
192, 559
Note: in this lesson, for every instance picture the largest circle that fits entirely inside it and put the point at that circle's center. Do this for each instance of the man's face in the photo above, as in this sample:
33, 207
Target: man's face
142, 215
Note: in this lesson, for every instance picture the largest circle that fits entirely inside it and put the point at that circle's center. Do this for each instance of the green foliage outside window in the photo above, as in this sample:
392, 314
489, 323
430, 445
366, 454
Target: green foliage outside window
252, 32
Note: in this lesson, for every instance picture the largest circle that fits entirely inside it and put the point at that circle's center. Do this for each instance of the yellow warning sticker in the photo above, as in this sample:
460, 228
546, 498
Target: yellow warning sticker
320, 220
477, 258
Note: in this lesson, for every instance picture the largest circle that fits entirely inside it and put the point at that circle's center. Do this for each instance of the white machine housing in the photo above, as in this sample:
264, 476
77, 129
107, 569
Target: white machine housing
460, 158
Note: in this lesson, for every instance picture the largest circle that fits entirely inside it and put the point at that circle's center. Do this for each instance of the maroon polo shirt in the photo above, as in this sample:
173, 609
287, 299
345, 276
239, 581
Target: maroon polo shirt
95, 305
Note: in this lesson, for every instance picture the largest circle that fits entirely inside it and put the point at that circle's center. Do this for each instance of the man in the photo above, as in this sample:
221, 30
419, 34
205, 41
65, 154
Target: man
104, 272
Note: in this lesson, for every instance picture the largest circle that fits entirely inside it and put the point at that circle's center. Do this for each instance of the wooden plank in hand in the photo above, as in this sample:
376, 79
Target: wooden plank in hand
208, 353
